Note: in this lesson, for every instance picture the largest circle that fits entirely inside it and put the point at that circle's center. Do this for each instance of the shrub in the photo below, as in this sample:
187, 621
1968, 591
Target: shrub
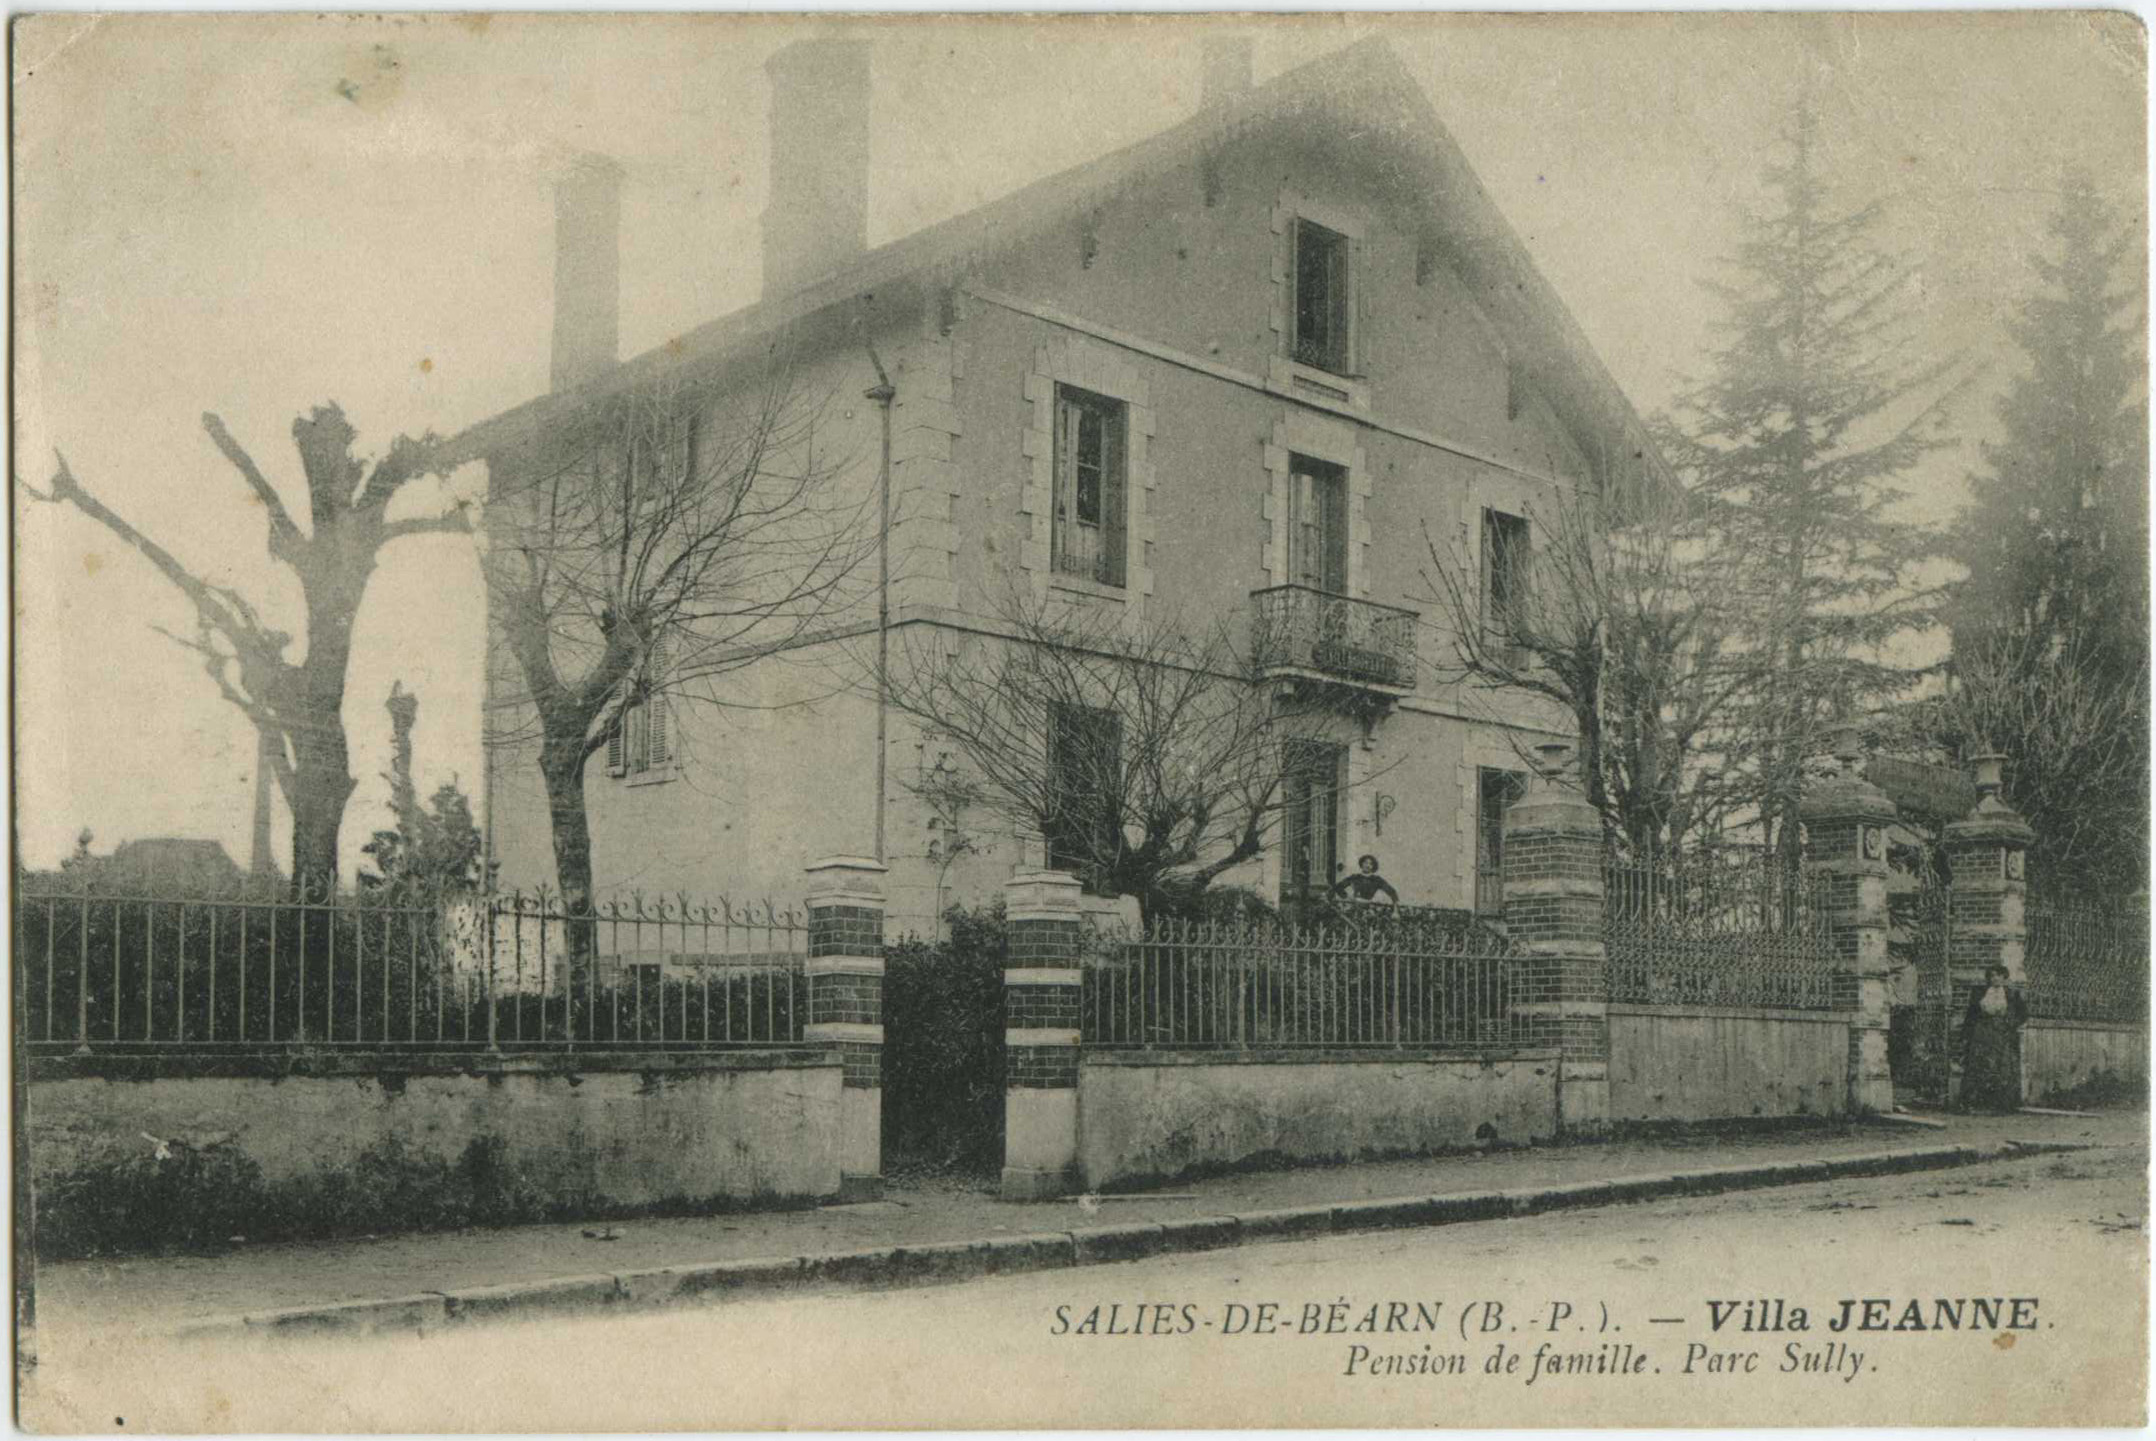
943, 1045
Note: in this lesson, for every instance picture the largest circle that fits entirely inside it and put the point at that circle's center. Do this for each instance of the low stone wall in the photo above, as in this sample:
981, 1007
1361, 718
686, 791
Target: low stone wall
131, 1153
1146, 1115
2059, 1056
1726, 1063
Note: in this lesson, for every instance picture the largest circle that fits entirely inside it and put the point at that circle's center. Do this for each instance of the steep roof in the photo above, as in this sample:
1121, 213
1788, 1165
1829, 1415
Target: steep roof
1362, 91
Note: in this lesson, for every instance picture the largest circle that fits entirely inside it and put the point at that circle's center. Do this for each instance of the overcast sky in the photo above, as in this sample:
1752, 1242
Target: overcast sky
253, 215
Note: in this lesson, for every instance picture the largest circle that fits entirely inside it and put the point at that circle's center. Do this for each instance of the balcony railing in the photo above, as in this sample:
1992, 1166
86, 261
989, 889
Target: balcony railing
1314, 634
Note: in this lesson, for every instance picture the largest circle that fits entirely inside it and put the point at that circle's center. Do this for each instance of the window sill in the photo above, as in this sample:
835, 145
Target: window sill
1079, 585
660, 776
1312, 386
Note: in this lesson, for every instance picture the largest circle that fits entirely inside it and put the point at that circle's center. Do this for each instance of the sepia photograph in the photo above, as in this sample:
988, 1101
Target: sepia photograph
887, 722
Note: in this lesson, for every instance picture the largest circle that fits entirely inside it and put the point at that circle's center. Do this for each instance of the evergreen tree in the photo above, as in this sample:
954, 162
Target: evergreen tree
2055, 537
1812, 414
2051, 625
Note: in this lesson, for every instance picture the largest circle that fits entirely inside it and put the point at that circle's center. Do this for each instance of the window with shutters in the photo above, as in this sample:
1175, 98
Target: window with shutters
1494, 791
1324, 299
1505, 554
1091, 487
1313, 775
1317, 524
641, 747
1085, 769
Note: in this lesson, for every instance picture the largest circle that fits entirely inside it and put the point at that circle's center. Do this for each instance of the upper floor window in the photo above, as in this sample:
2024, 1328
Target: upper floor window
640, 744
1091, 486
1504, 576
1317, 531
1322, 301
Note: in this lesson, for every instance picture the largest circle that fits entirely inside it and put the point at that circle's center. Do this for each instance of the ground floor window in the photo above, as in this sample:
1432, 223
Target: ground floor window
1313, 775
1494, 791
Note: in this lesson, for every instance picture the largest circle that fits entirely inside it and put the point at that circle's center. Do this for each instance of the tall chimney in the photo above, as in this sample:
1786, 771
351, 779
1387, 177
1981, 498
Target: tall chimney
817, 217
587, 271
1227, 70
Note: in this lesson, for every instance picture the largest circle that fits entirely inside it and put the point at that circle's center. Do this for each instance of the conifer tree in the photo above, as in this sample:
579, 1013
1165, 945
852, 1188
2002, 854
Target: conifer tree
2050, 624
1813, 412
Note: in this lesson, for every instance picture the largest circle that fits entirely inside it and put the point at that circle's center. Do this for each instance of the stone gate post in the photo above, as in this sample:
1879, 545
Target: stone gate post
1553, 888
1041, 983
1987, 853
1845, 827
845, 1007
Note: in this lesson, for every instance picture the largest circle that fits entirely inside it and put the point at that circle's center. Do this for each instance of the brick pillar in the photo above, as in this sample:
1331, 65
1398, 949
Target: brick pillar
845, 1007
1553, 911
1040, 1038
1845, 827
1987, 852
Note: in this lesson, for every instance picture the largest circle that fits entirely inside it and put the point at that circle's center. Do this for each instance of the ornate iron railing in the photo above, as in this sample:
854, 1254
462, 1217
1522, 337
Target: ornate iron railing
2086, 964
1386, 982
1715, 933
1299, 630
252, 970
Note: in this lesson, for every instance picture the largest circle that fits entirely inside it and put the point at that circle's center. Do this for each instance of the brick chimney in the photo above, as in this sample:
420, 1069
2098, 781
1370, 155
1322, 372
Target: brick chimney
587, 271
817, 217
1226, 70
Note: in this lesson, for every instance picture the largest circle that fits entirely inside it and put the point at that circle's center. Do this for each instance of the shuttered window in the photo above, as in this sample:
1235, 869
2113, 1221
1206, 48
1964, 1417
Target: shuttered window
1317, 534
642, 743
1313, 774
1091, 485
1324, 298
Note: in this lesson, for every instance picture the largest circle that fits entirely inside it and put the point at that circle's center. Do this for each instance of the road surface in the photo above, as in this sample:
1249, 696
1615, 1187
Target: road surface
2030, 1279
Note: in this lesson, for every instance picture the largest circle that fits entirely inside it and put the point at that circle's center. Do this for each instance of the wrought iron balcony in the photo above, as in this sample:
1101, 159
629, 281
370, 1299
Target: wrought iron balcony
1307, 634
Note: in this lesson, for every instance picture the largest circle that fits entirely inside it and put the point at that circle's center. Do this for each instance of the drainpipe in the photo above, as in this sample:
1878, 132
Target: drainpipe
883, 393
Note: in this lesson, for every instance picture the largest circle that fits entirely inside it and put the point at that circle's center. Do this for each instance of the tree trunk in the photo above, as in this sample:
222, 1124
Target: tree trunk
562, 763
322, 784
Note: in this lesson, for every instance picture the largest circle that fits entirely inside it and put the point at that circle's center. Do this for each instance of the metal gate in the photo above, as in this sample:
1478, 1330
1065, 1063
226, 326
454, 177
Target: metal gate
1923, 1067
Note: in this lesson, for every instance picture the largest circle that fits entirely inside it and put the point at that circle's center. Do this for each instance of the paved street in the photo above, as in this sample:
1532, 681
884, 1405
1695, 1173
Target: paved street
161, 1291
1362, 1331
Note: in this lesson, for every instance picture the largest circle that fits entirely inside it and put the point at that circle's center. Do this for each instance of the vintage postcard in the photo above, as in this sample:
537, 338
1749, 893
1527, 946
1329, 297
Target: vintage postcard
746, 722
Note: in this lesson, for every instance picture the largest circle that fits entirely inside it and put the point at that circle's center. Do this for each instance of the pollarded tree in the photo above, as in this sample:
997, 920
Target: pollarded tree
296, 706
664, 539
1815, 407
1621, 615
1140, 751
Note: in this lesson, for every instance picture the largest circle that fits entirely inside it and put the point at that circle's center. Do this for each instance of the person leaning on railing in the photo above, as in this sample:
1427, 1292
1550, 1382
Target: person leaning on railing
1366, 884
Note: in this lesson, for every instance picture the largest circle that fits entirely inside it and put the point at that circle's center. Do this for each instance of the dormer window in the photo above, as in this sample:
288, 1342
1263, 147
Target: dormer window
1322, 304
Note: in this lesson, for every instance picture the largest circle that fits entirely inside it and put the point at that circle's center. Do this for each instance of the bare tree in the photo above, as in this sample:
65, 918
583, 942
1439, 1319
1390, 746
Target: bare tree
669, 537
1142, 752
297, 707
2072, 730
1624, 618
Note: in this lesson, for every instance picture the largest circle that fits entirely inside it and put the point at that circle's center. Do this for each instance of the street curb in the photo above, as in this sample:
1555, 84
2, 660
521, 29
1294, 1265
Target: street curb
930, 1262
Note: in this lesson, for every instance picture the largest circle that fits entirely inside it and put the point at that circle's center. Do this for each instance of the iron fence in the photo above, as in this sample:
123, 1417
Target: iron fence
1715, 932
2084, 963
397, 968
1375, 983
